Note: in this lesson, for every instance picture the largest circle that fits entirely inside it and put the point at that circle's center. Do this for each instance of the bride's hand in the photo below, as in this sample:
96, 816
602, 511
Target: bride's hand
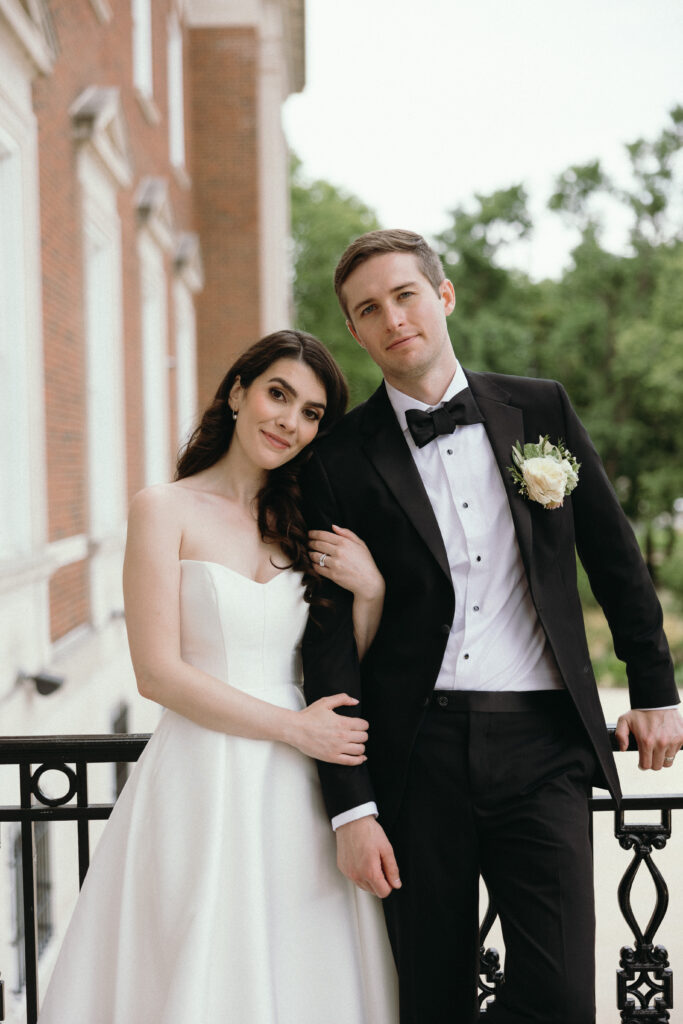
346, 561
323, 734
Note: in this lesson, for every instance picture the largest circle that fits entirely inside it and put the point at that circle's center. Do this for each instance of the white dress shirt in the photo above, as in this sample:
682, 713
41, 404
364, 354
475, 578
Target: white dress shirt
496, 641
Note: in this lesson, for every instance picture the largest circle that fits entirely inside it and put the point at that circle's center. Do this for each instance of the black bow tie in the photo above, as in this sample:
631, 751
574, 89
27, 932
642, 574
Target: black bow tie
425, 426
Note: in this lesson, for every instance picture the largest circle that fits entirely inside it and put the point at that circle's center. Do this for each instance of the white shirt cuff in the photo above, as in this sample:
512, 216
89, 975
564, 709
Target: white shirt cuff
362, 811
667, 707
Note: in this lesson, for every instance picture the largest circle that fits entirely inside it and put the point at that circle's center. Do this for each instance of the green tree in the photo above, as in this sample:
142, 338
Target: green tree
324, 220
616, 338
611, 329
493, 325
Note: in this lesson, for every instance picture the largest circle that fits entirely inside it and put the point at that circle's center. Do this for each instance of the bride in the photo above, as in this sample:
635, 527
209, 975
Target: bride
213, 895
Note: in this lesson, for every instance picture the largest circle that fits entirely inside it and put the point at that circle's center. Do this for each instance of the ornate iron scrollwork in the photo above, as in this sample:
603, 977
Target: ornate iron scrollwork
644, 980
490, 973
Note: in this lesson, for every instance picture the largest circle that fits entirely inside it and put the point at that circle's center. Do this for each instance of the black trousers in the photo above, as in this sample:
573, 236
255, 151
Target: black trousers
501, 793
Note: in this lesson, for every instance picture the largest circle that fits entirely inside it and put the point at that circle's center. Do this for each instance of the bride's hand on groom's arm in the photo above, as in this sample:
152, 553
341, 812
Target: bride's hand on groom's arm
347, 561
365, 855
321, 733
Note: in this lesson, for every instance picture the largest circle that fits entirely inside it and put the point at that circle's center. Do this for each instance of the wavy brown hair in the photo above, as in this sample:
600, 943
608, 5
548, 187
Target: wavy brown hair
279, 501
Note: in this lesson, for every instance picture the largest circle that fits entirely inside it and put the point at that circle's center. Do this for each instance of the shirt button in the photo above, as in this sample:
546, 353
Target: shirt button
449, 451
479, 558
465, 656
465, 504
475, 608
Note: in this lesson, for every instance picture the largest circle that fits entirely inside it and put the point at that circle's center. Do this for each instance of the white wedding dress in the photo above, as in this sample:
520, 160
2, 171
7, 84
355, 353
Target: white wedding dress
213, 896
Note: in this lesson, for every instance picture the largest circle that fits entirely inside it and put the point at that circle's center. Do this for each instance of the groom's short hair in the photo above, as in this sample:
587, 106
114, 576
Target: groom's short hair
377, 243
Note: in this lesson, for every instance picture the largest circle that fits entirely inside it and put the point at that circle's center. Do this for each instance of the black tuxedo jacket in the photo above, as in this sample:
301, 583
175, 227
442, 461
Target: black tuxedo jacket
364, 477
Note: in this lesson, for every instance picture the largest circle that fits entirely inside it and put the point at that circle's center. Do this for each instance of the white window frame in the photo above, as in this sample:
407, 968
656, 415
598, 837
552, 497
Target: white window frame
16, 534
103, 168
102, 292
143, 60
155, 361
185, 359
24, 564
176, 95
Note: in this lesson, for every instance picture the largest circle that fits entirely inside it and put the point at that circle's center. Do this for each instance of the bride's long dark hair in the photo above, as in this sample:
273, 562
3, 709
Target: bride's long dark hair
279, 503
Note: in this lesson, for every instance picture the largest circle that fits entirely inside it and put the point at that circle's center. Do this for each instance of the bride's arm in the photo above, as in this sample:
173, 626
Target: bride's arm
151, 581
349, 564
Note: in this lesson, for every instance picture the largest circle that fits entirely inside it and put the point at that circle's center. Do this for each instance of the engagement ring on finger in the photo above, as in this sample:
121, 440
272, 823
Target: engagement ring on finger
321, 561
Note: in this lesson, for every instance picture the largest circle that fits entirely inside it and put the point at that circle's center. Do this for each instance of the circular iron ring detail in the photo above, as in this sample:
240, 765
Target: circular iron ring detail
56, 766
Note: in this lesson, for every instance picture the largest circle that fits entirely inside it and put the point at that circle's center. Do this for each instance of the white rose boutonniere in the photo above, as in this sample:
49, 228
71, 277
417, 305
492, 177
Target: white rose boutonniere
544, 472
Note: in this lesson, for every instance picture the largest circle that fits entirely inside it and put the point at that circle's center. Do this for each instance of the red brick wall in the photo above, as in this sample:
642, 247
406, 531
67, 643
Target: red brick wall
225, 172
69, 605
90, 53
221, 107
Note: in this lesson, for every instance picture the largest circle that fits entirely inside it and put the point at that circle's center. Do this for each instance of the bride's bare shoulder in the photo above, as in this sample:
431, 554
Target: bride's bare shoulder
161, 501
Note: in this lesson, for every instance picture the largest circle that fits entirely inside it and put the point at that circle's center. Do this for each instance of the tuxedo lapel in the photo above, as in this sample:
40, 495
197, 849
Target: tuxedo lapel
386, 448
505, 426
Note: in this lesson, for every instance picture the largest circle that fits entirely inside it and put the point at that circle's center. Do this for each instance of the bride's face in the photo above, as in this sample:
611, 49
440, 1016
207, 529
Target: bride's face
279, 413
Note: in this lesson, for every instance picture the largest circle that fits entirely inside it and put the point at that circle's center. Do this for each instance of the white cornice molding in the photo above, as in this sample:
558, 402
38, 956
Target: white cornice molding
97, 119
29, 21
154, 211
187, 261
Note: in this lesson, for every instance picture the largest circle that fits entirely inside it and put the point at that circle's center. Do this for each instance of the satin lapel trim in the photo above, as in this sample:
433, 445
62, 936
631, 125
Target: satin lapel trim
505, 426
386, 448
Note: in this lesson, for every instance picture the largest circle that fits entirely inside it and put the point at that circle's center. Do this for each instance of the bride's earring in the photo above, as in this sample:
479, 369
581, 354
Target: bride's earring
234, 414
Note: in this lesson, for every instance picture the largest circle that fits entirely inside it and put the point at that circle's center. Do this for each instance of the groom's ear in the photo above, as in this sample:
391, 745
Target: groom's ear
352, 331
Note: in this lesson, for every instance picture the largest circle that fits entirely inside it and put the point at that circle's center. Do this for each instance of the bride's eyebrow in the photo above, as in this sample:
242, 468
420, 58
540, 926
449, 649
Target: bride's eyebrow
286, 386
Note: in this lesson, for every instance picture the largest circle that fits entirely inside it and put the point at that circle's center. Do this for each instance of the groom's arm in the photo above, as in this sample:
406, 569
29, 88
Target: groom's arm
330, 656
330, 659
622, 585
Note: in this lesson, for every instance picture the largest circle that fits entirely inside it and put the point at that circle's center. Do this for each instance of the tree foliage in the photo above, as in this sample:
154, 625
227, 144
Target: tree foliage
324, 220
611, 329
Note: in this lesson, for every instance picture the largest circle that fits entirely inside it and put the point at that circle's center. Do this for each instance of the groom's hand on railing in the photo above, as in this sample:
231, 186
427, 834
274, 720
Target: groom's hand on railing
365, 855
658, 733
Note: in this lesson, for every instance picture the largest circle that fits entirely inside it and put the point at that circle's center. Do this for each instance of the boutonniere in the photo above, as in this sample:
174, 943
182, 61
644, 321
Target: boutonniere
544, 472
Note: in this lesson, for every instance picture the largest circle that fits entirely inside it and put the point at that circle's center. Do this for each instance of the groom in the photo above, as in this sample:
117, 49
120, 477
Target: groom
486, 731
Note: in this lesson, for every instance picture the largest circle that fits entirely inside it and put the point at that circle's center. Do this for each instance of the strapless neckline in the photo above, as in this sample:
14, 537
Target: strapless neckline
234, 572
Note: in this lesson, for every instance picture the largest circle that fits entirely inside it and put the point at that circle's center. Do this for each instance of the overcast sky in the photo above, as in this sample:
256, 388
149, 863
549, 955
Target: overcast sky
415, 105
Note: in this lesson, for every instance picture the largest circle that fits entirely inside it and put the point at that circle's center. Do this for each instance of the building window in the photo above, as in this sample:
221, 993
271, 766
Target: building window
155, 364
43, 878
15, 480
106, 453
176, 110
142, 46
186, 361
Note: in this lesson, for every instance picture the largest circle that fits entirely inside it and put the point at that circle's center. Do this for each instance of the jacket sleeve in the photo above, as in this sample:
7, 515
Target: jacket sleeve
330, 656
618, 575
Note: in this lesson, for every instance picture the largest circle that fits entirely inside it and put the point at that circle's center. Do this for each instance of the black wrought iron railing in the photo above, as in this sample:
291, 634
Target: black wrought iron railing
644, 978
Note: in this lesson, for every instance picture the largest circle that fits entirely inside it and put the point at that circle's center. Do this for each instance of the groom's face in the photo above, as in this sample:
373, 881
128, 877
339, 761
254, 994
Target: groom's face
398, 317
